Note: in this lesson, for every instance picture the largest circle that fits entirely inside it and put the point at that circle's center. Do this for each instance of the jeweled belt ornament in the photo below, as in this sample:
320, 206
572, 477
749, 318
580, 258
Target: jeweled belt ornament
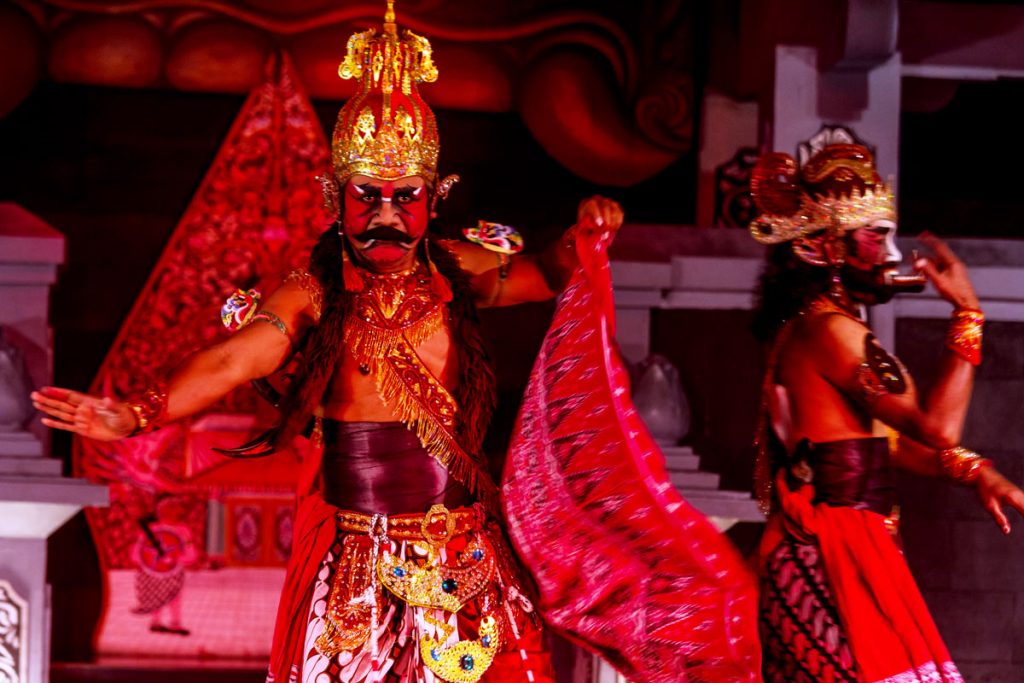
429, 583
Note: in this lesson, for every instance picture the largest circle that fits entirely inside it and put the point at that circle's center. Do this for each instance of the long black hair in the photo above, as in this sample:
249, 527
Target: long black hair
787, 284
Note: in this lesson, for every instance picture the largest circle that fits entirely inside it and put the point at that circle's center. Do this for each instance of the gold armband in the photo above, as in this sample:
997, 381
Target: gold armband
962, 465
880, 374
504, 265
964, 336
272, 319
149, 409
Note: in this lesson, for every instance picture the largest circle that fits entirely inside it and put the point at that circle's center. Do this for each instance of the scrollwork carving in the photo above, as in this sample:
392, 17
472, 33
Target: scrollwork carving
664, 113
13, 635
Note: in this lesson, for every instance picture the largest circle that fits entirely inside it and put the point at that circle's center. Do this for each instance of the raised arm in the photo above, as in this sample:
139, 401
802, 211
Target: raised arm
203, 378
500, 280
867, 374
854, 362
930, 428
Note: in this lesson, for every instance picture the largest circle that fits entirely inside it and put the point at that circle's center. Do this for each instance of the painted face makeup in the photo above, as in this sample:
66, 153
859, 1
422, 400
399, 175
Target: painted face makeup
874, 245
385, 220
870, 271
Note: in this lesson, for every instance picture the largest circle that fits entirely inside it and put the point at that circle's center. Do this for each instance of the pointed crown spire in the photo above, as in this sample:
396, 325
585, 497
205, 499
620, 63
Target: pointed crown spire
386, 130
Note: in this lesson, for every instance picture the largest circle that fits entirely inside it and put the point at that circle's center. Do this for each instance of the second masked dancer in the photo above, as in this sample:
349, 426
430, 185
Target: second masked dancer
839, 412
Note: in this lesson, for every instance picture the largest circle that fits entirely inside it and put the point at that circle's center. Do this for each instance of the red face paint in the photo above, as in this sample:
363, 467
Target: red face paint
385, 220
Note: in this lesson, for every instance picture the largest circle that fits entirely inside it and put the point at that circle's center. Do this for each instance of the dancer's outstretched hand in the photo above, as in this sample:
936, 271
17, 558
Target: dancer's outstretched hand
103, 419
995, 491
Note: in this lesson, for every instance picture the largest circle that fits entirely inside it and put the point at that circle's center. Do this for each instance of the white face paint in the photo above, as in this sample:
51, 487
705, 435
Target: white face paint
874, 245
892, 251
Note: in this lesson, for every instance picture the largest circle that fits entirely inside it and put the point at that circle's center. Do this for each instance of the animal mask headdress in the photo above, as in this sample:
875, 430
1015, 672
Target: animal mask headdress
834, 188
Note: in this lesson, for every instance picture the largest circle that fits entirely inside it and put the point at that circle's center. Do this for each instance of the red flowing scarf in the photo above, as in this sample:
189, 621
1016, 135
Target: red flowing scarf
623, 564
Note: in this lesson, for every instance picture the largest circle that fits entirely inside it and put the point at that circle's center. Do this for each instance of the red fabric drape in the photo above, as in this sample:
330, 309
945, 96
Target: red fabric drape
891, 634
623, 564
315, 531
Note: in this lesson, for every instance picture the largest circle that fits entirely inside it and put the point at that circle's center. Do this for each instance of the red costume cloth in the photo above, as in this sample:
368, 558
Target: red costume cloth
316, 533
622, 562
881, 613
316, 554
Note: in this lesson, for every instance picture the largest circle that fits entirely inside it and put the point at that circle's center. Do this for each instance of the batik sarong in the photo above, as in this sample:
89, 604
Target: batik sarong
838, 602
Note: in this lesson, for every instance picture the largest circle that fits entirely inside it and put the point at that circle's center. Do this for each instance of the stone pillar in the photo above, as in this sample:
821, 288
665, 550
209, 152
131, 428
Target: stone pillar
727, 126
862, 91
865, 100
35, 500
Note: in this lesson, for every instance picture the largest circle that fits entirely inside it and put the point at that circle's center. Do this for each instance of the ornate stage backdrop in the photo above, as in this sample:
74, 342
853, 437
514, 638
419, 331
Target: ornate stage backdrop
193, 544
605, 88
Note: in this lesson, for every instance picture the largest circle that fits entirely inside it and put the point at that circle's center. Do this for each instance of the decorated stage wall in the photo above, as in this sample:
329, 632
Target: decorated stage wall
193, 545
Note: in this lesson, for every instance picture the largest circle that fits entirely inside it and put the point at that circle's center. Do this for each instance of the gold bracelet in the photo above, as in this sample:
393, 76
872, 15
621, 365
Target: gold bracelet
149, 409
962, 465
964, 336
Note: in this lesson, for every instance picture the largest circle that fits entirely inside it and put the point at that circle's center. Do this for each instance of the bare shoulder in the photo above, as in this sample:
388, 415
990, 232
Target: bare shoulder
833, 344
832, 331
301, 293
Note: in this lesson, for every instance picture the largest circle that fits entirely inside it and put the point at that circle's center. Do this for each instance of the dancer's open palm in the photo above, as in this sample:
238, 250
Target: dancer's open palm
103, 419
995, 491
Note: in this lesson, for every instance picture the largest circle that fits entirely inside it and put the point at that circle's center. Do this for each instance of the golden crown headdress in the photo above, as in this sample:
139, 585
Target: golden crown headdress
386, 130
835, 187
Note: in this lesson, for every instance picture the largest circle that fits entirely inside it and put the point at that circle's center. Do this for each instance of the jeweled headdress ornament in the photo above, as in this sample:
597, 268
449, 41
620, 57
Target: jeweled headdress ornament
835, 187
386, 130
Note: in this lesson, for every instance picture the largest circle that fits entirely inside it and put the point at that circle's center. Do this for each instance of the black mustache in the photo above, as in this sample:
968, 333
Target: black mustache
385, 233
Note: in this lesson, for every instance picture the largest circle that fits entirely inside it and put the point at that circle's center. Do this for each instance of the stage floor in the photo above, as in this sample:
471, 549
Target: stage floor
214, 603
135, 671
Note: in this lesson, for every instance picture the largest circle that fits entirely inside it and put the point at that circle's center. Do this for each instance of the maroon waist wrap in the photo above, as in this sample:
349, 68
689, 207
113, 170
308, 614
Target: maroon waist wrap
381, 467
852, 473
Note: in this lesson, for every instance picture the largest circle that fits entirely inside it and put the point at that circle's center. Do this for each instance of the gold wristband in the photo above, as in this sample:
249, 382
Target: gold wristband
962, 465
964, 336
149, 409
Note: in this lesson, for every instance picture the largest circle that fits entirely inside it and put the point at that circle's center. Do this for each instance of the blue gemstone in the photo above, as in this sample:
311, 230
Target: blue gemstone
449, 585
466, 662
486, 640
433, 655
398, 571
478, 554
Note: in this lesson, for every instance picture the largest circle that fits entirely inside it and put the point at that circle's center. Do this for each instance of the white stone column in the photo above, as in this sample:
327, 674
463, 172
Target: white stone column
867, 101
35, 500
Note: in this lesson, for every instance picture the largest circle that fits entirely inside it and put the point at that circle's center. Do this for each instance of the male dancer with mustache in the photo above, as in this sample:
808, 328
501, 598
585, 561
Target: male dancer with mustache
838, 603
399, 570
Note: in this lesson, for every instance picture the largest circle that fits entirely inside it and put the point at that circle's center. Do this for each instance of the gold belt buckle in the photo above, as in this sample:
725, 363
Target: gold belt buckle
438, 540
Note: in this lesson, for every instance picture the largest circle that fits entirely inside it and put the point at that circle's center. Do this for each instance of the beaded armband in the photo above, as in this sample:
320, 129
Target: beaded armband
962, 465
503, 239
238, 310
149, 409
964, 336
